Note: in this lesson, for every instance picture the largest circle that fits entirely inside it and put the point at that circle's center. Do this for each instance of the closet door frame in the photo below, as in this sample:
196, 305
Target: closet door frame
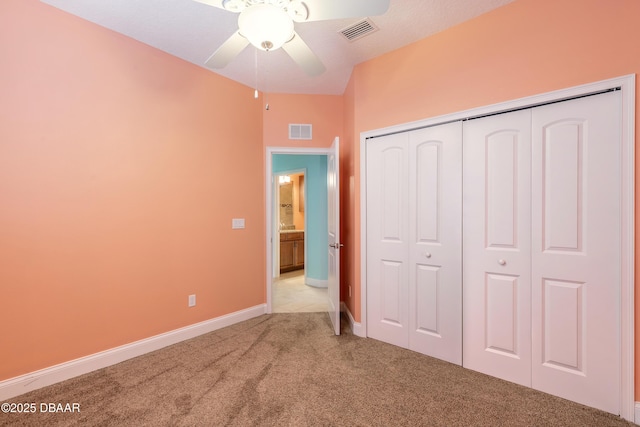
626, 84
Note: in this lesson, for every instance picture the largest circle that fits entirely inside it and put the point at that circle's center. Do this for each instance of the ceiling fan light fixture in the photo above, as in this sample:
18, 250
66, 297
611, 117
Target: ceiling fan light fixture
266, 26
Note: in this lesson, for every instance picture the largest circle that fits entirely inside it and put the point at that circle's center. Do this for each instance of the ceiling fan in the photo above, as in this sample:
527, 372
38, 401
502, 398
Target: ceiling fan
269, 25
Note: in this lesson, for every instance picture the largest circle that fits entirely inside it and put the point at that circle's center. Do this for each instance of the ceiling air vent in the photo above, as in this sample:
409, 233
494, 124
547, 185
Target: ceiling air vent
358, 30
299, 131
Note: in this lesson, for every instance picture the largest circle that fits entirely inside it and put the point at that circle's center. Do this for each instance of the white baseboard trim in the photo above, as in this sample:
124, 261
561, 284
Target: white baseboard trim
316, 283
636, 416
34, 380
356, 327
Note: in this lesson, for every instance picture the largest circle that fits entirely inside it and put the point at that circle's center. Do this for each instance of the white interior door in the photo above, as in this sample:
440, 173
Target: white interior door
435, 243
414, 255
576, 182
333, 192
496, 246
388, 239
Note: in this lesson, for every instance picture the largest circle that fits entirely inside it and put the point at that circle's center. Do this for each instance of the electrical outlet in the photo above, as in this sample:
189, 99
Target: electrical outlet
192, 300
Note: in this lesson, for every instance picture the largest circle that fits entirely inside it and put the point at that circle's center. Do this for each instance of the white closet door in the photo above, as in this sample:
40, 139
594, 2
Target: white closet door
576, 250
435, 230
414, 256
387, 239
496, 246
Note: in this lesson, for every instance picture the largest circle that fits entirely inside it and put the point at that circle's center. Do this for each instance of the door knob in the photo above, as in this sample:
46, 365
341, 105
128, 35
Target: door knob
427, 254
336, 245
502, 262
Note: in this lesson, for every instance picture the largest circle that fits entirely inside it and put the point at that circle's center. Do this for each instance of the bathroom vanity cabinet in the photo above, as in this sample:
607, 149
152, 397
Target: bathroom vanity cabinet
291, 251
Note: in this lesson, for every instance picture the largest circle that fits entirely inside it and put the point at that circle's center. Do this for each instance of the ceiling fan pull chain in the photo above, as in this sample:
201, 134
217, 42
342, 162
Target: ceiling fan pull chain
255, 93
266, 81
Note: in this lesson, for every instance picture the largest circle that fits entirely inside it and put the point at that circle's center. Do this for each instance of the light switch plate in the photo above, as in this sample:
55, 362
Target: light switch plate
237, 223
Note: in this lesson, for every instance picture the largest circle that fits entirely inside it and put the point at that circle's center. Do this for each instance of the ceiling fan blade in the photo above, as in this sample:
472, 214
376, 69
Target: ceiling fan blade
321, 10
227, 51
303, 56
214, 3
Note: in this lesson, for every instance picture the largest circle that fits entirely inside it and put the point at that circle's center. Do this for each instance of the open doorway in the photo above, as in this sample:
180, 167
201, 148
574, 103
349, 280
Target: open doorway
290, 220
297, 227
292, 292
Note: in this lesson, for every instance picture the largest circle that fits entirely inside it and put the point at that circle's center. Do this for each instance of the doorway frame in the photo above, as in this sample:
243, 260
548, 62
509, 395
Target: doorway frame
627, 87
269, 181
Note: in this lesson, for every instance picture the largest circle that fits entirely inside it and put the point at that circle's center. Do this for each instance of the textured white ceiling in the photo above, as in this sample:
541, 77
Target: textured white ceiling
193, 31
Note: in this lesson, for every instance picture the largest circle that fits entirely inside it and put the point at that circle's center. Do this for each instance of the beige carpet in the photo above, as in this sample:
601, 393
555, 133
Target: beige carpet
289, 370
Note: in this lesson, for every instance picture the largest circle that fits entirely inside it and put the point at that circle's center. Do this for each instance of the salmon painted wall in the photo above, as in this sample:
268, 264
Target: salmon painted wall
324, 112
115, 194
524, 48
350, 256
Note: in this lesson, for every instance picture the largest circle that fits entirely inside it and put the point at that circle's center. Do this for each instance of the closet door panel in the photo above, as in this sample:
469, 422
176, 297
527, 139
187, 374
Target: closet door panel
563, 162
387, 239
576, 250
435, 253
496, 246
425, 300
563, 322
501, 310
501, 174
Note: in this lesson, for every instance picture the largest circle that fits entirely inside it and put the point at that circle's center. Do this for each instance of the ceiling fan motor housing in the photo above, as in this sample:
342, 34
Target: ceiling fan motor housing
266, 26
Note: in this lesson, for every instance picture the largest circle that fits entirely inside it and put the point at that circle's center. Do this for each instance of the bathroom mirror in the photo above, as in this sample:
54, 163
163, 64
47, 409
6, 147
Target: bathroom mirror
286, 206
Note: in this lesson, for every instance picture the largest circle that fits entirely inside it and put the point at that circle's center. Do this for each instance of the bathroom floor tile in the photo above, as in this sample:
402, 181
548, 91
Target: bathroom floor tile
292, 295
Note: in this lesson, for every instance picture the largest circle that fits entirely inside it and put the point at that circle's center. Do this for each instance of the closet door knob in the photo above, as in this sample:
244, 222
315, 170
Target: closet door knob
502, 262
427, 254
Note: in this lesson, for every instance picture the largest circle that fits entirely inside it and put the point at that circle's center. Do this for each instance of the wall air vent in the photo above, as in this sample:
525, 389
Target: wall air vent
358, 30
300, 132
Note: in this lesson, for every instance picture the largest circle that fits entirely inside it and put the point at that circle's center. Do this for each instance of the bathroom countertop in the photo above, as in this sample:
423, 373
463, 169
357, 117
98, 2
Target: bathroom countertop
290, 231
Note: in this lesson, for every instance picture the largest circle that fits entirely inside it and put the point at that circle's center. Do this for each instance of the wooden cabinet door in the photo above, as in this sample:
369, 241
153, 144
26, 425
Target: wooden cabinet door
298, 253
286, 255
